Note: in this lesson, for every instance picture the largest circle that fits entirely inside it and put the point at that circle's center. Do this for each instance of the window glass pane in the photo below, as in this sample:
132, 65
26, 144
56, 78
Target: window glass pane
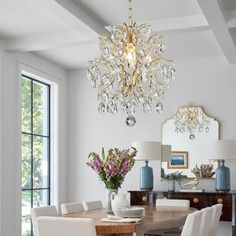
41, 198
26, 220
26, 104
40, 160
26, 161
40, 108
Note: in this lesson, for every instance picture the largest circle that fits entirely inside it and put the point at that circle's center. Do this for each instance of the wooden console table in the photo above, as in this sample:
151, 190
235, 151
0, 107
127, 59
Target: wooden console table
198, 200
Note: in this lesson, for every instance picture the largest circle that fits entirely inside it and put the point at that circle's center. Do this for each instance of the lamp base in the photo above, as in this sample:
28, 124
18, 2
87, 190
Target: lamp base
146, 177
222, 183
146, 189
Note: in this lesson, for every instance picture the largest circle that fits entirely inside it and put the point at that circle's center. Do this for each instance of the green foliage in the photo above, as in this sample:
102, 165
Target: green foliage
32, 147
172, 176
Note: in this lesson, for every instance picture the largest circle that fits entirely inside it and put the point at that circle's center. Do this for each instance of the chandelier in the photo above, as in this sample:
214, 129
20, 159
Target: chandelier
131, 71
191, 119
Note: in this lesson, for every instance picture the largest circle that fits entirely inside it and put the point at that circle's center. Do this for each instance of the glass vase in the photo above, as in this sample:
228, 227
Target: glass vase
171, 186
108, 199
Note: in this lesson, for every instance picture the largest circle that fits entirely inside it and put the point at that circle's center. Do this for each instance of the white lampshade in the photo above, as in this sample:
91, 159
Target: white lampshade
165, 153
222, 149
148, 150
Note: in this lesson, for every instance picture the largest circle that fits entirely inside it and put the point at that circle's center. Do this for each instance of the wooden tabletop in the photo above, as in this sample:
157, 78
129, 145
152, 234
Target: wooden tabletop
155, 218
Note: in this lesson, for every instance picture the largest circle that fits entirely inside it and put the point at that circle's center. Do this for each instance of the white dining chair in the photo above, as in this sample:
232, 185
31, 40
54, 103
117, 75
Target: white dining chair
169, 203
192, 223
205, 227
190, 228
92, 205
217, 210
173, 202
67, 208
41, 211
64, 226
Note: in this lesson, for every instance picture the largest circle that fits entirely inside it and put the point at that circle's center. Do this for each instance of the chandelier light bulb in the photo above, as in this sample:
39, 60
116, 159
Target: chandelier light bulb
131, 71
130, 54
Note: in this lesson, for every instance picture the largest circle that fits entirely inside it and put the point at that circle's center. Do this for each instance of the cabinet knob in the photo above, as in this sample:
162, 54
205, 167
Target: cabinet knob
144, 198
220, 200
195, 200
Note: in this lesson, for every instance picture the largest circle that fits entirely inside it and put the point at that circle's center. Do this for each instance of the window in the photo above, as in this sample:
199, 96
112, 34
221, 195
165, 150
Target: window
35, 148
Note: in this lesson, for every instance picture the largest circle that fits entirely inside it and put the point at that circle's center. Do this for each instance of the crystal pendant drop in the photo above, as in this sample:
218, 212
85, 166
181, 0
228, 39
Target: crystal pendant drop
101, 108
192, 136
130, 121
159, 107
93, 83
147, 107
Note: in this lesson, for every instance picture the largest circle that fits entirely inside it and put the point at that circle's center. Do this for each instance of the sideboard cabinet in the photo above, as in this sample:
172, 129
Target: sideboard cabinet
198, 200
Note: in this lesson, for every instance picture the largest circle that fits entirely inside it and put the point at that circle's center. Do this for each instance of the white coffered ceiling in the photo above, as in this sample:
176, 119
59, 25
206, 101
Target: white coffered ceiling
66, 31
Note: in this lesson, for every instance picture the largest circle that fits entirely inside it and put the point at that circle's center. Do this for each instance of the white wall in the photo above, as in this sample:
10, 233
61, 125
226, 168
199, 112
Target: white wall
207, 82
11, 135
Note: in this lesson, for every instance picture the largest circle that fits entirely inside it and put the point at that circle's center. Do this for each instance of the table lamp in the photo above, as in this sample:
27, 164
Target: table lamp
222, 150
148, 151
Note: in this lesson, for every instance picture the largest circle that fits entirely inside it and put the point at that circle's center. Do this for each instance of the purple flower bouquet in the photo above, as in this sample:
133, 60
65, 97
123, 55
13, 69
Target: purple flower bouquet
112, 167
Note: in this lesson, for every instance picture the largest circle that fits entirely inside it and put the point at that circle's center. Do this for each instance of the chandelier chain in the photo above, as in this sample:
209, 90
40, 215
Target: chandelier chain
130, 14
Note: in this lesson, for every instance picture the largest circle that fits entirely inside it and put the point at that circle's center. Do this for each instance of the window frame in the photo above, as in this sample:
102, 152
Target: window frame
32, 136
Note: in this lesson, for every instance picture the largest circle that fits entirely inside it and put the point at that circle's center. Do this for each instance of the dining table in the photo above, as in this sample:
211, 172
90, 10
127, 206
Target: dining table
156, 217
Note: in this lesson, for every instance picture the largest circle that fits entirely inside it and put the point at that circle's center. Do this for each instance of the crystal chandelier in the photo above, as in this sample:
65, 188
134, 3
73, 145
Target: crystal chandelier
191, 119
131, 70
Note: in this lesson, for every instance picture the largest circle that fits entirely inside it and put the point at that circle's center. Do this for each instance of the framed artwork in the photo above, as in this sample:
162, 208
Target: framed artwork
179, 160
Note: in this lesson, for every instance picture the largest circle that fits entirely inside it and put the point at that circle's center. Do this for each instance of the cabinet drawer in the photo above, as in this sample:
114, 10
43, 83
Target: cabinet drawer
226, 200
198, 201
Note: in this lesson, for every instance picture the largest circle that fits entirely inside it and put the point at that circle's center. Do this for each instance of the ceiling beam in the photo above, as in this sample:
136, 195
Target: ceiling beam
215, 15
231, 19
44, 42
177, 23
76, 15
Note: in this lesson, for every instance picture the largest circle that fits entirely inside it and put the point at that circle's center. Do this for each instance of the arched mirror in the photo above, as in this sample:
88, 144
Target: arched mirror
189, 133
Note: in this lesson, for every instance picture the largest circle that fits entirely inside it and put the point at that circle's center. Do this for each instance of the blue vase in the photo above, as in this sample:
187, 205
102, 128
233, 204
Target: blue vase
146, 177
222, 183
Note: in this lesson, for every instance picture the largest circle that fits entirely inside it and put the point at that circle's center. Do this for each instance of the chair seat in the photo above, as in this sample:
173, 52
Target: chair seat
164, 232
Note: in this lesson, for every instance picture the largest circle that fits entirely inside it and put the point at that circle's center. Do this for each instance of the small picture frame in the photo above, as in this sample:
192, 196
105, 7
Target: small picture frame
179, 160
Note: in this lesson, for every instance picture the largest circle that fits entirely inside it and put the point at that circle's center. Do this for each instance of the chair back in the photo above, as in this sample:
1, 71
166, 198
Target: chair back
72, 207
173, 202
205, 227
41, 211
217, 209
65, 226
192, 223
92, 205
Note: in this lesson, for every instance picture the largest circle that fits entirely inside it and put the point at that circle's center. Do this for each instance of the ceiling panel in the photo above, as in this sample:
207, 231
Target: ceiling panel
26, 17
115, 12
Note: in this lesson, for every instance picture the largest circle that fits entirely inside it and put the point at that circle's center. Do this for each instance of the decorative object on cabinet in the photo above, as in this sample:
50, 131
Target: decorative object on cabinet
131, 71
172, 178
204, 171
193, 184
112, 168
179, 160
198, 150
223, 150
147, 151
